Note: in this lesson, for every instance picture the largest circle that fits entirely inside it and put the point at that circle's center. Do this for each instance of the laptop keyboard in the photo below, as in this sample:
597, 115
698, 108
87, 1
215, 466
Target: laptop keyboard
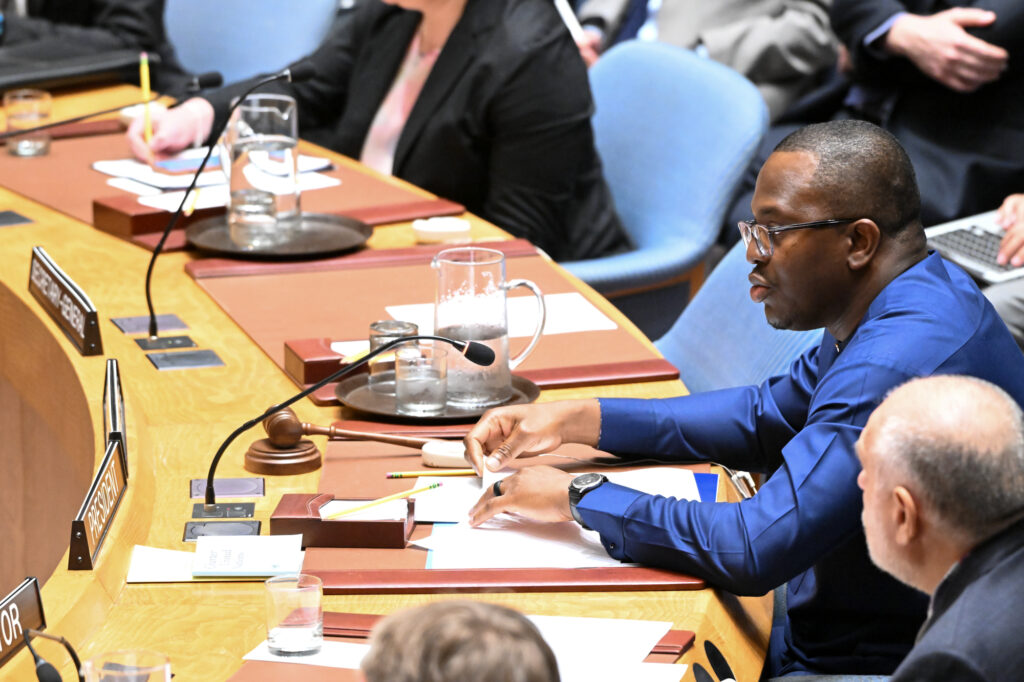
973, 242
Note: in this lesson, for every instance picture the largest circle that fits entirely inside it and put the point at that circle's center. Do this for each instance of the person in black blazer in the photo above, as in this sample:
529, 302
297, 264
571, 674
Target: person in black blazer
63, 29
943, 486
502, 124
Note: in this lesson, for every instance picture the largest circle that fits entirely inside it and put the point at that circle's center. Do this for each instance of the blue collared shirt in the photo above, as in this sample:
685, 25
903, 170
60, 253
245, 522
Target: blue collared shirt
803, 526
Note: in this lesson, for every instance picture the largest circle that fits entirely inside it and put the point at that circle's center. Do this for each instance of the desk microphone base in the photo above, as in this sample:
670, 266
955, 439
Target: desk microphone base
265, 458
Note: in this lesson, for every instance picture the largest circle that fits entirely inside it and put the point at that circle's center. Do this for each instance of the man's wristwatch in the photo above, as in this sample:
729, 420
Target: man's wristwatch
580, 486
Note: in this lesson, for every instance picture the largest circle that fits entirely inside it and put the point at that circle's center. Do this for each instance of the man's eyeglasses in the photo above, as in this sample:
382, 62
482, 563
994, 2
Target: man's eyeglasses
762, 236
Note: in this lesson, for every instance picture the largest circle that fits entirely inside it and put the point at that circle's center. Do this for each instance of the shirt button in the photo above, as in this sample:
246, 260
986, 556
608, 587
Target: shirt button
611, 545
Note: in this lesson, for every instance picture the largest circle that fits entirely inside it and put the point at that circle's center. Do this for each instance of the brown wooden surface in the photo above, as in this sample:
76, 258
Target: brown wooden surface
176, 420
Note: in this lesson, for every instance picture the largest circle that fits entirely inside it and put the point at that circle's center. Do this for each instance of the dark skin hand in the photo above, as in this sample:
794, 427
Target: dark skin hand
537, 492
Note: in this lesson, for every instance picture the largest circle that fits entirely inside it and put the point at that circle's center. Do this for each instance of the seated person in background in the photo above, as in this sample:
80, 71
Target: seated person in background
836, 242
783, 47
46, 30
1008, 297
943, 482
484, 102
946, 81
458, 641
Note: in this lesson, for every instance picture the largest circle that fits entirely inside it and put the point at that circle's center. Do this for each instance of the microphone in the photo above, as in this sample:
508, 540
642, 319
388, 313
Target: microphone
301, 70
210, 79
474, 351
45, 672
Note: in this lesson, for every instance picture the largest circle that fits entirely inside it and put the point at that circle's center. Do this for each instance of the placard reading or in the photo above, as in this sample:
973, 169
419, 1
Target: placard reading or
113, 410
94, 519
21, 609
65, 302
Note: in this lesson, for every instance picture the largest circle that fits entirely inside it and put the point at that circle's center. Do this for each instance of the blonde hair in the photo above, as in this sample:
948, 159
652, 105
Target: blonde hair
456, 641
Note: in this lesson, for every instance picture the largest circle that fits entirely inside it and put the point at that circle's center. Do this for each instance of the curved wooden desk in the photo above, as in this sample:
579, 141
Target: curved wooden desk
50, 400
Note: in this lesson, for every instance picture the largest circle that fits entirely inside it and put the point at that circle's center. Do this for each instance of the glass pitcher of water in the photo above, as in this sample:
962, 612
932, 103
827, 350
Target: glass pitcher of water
470, 306
260, 157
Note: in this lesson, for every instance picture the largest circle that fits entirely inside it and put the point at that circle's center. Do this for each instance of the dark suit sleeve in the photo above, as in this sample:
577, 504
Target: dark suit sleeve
320, 99
542, 141
104, 25
938, 665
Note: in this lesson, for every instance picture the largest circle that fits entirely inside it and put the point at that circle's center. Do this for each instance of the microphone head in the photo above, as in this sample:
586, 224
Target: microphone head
301, 70
479, 354
45, 672
210, 79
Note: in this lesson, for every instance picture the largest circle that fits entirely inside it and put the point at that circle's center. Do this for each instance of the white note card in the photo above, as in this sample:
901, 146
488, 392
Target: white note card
566, 313
247, 555
331, 655
156, 565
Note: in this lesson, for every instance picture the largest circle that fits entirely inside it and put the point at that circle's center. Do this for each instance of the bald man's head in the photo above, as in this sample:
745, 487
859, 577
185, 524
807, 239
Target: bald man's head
959, 441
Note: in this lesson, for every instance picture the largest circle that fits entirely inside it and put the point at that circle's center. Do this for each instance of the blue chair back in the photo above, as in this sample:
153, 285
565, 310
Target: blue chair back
675, 132
722, 338
244, 38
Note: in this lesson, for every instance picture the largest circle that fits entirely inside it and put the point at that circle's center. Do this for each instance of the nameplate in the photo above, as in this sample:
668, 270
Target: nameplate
21, 609
65, 302
113, 411
94, 519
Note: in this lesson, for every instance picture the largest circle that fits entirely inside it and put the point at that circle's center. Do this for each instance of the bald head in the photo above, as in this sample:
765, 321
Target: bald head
959, 441
865, 173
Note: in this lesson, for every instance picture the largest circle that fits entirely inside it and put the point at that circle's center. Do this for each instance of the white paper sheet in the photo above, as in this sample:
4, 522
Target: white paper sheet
134, 187
566, 313
217, 195
155, 565
349, 348
331, 655
247, 555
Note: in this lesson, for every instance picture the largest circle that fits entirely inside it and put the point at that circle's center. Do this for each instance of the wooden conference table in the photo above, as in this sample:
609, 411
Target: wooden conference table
51, 424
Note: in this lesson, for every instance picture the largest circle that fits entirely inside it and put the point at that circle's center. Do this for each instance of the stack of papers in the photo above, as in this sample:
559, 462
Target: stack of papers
228, 557
586, 649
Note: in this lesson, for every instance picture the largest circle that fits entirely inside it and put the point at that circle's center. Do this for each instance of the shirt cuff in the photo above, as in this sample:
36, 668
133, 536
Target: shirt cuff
873, 41
604, 509
620, 418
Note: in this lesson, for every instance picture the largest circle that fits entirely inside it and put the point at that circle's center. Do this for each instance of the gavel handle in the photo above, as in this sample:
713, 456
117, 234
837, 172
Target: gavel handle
334, 432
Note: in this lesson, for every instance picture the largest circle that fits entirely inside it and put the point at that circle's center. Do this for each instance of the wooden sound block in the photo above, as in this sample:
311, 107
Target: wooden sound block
265, 458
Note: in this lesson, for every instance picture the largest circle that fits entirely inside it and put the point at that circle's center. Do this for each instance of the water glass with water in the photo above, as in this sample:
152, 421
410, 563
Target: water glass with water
421, 380
26, 108
382, 367
264, 207
134, 665
295, 615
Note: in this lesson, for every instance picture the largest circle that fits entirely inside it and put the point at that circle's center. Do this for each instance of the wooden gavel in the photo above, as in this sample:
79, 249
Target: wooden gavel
284, 430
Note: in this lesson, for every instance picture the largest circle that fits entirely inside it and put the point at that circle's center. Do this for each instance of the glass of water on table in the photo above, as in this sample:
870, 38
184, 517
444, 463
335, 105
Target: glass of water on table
421, 380
295, 614
26, 109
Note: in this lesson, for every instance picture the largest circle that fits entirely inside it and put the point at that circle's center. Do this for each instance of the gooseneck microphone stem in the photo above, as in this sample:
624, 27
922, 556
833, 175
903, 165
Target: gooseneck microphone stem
44, 670
288, 75
475, 352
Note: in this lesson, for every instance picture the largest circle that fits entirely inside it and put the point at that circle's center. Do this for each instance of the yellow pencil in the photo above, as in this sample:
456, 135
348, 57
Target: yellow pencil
193, 200
434, 472
382, 500
144, 84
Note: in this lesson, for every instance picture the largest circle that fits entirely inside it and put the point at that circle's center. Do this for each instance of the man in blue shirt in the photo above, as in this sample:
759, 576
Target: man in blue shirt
836, 242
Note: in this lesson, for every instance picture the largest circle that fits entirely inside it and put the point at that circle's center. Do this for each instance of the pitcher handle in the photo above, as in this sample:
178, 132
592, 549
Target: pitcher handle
542, 313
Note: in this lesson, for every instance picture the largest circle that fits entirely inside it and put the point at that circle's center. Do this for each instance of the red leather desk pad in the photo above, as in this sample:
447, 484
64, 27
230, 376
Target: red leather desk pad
355, 628
357, 469
340, 304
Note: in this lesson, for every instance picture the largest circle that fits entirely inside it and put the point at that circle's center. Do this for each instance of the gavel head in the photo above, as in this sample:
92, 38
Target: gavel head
284, 430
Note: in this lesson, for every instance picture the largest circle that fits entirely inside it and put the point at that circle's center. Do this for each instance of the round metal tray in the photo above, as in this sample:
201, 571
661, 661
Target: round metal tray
355, 393
318, 234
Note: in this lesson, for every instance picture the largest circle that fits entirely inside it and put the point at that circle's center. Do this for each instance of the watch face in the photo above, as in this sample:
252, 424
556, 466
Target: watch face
585, 481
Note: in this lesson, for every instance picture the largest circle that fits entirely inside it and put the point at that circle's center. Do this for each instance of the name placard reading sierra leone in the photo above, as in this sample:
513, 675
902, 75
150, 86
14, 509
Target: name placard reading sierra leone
19, 610
94, 519
65, 302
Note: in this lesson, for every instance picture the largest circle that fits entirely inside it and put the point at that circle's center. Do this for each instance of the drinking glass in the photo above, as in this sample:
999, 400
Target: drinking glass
264, 207
382, 367
421, 380
133, 665
24, 109
295, 615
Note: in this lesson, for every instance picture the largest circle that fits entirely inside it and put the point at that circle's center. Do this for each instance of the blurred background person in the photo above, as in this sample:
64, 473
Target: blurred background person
458, 641
943, 489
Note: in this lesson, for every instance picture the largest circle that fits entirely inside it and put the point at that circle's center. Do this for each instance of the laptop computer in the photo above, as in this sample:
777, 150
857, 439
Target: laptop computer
972, 243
